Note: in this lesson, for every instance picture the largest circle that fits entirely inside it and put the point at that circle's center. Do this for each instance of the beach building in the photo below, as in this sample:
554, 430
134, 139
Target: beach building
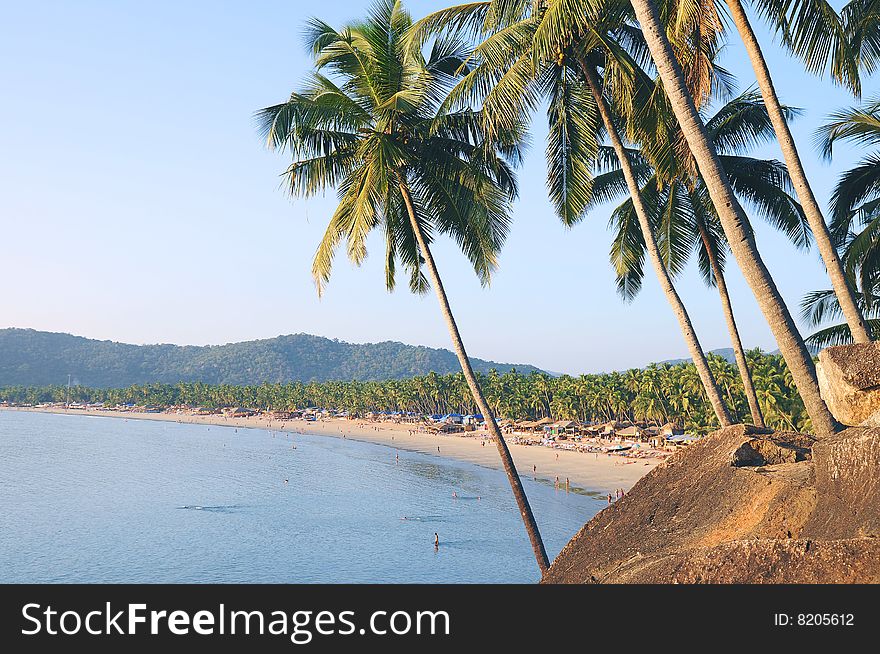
630, 433
239, 412
670, 429
564, 428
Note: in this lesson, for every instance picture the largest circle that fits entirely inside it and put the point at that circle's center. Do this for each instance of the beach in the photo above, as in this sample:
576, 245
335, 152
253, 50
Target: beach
600, 472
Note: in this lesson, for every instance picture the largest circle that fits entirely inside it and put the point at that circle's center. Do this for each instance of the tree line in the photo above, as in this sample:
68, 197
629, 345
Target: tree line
658, 394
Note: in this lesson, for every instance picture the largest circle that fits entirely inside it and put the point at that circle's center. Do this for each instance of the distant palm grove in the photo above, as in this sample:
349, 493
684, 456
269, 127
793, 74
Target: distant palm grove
659, 393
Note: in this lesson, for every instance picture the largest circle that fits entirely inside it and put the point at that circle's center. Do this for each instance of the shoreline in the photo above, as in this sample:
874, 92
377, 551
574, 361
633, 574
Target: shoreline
603, 473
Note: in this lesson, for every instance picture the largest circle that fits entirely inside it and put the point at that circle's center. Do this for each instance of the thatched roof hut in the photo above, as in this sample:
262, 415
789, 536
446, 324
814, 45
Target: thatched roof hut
629, 432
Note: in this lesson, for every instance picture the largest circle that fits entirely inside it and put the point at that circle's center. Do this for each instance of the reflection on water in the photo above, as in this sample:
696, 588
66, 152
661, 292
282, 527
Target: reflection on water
88, 499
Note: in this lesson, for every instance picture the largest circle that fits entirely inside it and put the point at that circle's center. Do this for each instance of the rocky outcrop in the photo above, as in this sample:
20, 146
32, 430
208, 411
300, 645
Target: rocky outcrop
849, 380
741, 506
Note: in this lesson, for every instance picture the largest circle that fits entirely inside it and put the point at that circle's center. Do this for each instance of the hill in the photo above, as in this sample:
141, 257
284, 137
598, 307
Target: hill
34, 358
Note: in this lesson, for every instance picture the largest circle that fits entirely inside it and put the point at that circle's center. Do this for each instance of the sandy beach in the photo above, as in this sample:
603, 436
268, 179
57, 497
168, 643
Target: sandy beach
596, 472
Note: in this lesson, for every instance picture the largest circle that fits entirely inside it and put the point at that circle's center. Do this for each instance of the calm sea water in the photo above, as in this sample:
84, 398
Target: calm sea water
93, 499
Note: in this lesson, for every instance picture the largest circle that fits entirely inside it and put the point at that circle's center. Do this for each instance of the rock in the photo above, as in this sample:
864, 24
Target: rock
847, 480
849, 381
741, 506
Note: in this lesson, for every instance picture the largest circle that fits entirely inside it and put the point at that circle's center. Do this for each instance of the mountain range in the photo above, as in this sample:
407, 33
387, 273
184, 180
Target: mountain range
35, 358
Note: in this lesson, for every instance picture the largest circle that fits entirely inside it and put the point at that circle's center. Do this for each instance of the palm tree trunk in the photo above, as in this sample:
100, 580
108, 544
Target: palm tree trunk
506, 459
830, 256
738, 352
734, 221
678, 308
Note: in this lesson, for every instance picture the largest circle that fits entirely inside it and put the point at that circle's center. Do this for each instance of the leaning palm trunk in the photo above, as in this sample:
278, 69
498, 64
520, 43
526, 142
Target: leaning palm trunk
734, 221
831, 258
672, 296
738, 352
506, 459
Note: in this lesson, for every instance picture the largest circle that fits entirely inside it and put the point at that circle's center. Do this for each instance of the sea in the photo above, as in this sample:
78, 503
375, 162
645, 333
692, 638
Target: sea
92, 499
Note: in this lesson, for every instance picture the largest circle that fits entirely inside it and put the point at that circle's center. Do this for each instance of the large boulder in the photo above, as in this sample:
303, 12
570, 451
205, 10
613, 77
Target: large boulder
742, 505
849, 381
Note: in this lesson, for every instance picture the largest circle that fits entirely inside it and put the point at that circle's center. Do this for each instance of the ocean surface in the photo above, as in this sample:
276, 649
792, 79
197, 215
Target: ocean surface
94, 499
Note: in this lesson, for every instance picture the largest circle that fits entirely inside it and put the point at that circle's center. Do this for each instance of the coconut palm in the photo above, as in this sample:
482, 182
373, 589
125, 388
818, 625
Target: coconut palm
370, 123
855, 205
812, 29
686, 220
855, 202
733, 219
521, 61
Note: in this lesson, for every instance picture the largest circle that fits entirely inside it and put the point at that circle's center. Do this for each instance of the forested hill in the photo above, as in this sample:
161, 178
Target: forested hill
34, 358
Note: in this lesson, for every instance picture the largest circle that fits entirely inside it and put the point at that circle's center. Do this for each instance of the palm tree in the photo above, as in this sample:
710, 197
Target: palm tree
377, 132
812, 29
521, 61
855, 205
686, 219
733, 220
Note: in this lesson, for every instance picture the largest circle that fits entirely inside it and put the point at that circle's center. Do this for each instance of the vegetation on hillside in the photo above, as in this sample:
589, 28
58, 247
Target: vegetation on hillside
659, 393
33, 358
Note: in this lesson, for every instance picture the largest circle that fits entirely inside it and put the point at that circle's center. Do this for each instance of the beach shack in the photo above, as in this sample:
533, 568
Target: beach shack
671, 429
630, 433
240, 412
564, 428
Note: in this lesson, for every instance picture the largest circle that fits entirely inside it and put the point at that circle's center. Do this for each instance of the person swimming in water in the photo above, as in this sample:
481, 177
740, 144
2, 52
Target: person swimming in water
436, 540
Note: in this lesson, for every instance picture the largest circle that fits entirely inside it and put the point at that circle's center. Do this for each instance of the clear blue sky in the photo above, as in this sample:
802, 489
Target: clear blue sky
137, 203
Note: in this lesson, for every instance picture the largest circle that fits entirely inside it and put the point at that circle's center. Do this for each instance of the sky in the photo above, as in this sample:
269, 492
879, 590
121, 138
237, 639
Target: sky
138, 203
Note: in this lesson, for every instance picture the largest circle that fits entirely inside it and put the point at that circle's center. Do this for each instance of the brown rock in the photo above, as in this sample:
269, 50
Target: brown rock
741, 506
849, 381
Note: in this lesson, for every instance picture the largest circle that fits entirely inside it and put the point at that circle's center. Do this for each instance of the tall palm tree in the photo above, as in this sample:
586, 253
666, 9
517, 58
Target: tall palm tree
686, 219
855, 205
374, 128
813, 29
512, 76
734, 220
855, 202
